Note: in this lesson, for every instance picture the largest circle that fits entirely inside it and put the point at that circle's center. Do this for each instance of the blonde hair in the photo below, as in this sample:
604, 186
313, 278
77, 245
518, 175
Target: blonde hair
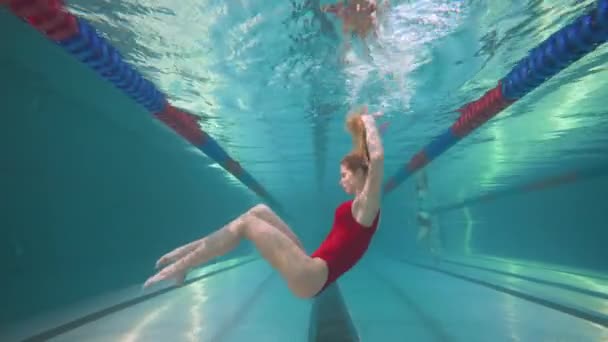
359, 156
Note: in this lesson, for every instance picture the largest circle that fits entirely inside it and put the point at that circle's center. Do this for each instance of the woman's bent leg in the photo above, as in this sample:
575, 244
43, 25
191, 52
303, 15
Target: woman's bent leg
261, 211
304, 275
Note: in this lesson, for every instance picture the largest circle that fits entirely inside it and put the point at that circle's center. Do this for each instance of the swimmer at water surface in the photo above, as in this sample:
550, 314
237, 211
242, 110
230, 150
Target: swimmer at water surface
359, 17
355, 223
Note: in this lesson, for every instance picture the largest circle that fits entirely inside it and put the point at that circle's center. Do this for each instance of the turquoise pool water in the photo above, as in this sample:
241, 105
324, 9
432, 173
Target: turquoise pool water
95, 189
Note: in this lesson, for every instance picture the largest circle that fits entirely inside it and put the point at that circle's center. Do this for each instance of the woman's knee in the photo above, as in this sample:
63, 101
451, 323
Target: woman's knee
259, 209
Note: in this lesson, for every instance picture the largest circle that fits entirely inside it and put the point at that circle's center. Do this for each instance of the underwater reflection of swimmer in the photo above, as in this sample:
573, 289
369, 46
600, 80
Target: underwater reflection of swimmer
359, 18
422, 186
424, 225
427, 235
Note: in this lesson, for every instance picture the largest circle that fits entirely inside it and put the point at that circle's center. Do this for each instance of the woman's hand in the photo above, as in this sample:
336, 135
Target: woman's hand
382, 128
374, 115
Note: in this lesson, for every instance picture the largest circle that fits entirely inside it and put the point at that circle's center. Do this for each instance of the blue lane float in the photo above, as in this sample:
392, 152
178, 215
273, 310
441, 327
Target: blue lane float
93, 50
559, 51
81, 39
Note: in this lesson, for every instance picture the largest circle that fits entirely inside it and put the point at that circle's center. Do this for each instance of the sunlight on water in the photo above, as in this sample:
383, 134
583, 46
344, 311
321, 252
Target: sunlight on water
135, 333
266, 79
405, 35
171, 46
199, 296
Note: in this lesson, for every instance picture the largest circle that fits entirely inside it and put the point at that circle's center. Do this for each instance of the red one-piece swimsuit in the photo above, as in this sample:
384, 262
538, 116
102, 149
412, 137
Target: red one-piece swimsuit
346, 242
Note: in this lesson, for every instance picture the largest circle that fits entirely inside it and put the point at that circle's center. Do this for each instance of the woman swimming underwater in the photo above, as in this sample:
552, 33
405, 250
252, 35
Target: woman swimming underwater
355, 223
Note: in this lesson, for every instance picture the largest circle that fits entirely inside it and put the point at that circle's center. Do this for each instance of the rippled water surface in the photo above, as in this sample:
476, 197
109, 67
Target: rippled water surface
266, 79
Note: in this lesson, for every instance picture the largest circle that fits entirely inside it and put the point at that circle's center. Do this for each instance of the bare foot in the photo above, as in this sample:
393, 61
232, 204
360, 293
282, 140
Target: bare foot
166, 274
164, 261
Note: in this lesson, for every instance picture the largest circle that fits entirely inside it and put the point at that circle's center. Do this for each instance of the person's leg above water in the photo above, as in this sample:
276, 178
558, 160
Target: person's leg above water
304, 275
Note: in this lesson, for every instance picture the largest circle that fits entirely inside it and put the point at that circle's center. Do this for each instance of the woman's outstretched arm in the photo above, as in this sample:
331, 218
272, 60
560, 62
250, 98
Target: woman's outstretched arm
367, 202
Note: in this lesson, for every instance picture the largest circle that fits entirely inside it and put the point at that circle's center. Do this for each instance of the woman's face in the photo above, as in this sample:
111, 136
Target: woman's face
349, 180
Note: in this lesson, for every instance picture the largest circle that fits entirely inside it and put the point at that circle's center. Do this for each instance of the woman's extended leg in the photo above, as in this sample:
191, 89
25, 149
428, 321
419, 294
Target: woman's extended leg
304, 275
261, 211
